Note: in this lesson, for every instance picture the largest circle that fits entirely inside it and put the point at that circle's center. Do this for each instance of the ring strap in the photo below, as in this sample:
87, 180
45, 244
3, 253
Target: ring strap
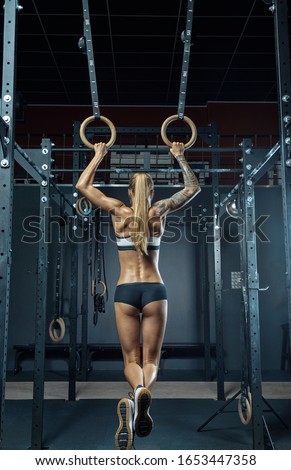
90, 58
186, 38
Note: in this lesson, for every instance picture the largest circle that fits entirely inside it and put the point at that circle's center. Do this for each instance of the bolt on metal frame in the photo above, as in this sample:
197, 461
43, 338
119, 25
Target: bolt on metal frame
7, 127
280, 12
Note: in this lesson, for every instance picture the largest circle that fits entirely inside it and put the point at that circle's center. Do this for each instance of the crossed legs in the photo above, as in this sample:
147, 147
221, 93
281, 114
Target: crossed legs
150, 328
131, 330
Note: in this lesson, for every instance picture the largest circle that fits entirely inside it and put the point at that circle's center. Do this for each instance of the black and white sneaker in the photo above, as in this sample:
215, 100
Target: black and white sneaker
142, 421
124, 433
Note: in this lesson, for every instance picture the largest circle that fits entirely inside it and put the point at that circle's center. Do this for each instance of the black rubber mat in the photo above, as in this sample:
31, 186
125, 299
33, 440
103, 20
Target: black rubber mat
91, 424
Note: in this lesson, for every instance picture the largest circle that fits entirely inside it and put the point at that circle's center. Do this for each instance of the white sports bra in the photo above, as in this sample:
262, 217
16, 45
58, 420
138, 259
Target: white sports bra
126, 243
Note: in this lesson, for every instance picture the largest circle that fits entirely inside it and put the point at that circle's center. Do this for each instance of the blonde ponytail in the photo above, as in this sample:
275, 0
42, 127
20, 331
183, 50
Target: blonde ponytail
141, 185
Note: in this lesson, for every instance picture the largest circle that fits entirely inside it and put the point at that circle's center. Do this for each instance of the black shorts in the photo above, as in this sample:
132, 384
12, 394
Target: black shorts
139, 294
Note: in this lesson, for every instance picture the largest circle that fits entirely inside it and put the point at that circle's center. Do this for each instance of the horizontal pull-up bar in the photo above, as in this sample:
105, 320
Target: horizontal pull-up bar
150, 170
160, 149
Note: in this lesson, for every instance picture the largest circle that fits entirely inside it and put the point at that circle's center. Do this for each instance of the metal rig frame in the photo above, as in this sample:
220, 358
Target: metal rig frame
8, 153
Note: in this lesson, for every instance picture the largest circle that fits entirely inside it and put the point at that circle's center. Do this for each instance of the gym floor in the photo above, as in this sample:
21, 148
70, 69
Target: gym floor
180, 406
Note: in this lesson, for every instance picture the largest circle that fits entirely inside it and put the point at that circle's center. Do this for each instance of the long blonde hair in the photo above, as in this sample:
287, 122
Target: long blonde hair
141, 185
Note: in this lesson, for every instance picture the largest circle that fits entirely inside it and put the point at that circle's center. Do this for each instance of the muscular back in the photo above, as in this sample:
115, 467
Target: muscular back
134, 266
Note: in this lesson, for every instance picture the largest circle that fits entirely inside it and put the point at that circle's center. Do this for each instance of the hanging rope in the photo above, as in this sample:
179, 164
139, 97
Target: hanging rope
97, 265
57, 327
245, 400
186, 38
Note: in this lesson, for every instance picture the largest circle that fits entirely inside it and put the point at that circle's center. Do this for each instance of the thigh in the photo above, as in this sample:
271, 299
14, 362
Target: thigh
128, 328
154, 322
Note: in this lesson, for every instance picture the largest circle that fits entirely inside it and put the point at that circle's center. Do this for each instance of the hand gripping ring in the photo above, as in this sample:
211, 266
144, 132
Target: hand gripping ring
57, 330
246, 414
104, 119
93, 289
172, 118
83, 207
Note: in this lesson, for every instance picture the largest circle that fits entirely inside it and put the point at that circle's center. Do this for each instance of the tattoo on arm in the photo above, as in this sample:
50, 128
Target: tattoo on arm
191, 188
190, 180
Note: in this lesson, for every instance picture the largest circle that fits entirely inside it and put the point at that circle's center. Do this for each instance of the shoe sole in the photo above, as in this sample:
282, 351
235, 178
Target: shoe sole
143, 423
124, 434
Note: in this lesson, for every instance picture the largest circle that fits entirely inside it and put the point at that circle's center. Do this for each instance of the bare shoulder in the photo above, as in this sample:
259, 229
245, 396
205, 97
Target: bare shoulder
123, 211
121, 217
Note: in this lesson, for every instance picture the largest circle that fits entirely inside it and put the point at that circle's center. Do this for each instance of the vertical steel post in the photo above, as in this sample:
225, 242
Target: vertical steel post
73, 318
84, 306
217, 268
7, 104
74, 278
252, 291
203, 299
41, 300
280, 11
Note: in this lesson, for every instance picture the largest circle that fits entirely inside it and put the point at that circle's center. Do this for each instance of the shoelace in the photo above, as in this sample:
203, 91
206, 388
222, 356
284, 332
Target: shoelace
131, 395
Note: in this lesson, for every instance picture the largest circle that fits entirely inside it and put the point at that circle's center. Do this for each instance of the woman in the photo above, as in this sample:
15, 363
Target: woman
140, 289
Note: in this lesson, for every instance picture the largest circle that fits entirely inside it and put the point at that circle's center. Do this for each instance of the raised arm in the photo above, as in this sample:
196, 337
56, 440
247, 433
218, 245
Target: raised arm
85, 183
191, 185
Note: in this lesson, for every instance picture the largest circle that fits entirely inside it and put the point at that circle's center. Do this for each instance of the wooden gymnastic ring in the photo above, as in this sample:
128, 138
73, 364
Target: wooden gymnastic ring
109, 124
84, 212
248, 412
94, 287
53, 332
172, 118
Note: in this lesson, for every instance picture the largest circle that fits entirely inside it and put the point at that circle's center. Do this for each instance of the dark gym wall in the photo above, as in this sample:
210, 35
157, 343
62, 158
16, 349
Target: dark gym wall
178, 264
